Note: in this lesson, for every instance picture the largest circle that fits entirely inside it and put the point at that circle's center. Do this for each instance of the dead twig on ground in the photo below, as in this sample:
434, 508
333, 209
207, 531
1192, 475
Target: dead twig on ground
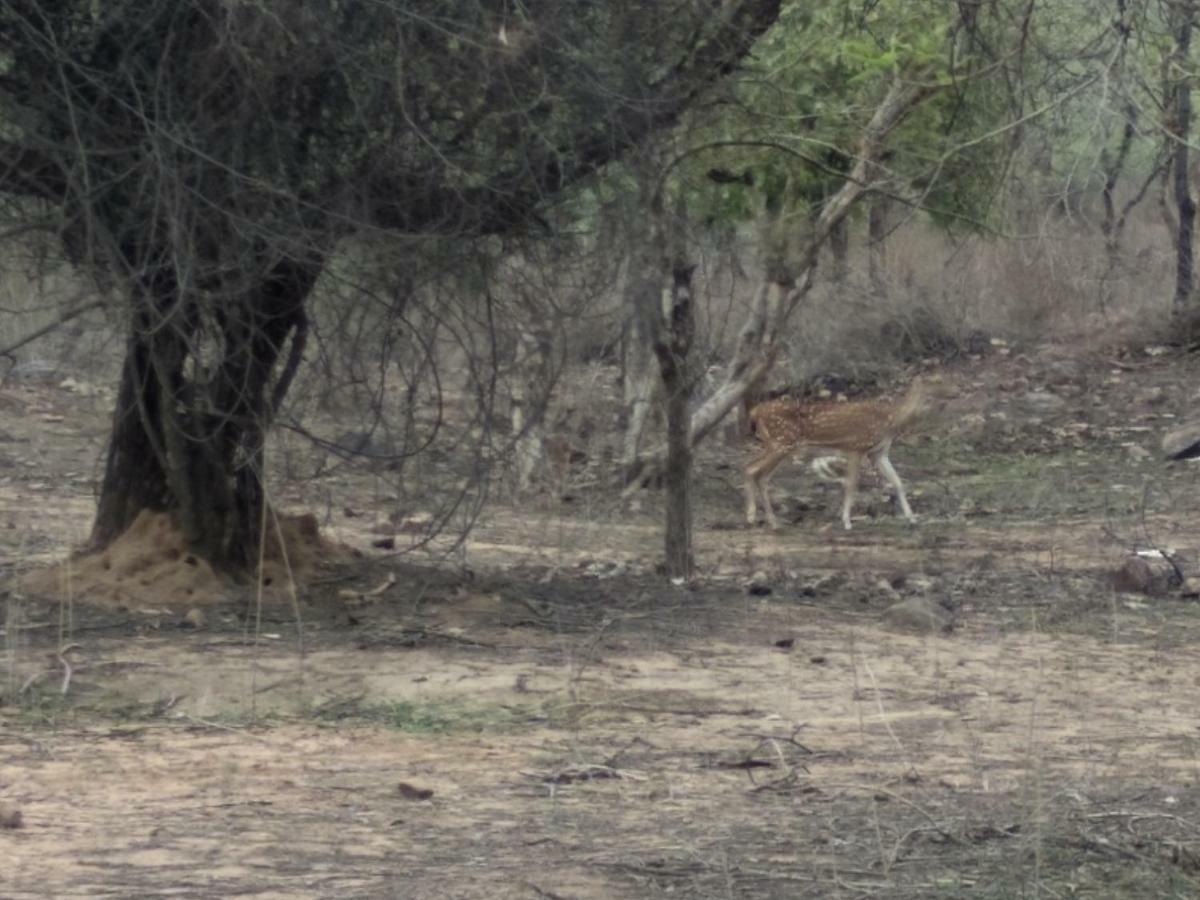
903, 801
541, 892
217, 726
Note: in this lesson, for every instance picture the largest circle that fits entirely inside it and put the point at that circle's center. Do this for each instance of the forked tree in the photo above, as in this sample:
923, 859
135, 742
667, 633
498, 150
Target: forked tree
207, 159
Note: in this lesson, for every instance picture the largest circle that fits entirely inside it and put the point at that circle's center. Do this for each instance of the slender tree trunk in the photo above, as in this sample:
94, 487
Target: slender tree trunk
775, 242
641, 382
1166, 208
530, 390
672, 350
1112, 226
839, 248
1184, 266
666, 322
877, 230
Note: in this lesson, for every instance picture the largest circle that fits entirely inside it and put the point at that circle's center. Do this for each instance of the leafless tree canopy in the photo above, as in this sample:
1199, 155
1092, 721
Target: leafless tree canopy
208, 157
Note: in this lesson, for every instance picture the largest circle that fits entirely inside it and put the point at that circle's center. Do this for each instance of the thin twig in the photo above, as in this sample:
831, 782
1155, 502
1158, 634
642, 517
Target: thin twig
62, 319
205, 723
67, 672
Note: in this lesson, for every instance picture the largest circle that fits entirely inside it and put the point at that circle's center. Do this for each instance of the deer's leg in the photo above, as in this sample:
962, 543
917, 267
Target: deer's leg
758, 474
823, 467
751, 494
889, 472
853, 462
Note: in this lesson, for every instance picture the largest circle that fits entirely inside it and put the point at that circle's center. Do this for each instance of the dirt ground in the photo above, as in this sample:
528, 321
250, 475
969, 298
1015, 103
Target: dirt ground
549, 718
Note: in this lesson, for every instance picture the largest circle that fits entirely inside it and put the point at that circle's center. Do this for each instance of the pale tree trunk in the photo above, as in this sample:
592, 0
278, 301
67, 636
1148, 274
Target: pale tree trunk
641, 383
1165, 207
839, 249
642, 296
1181, 132
530, 388
775, 240
758, 340
877, 231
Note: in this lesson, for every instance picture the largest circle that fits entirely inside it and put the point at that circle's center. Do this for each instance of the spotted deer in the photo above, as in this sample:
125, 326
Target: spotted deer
857, 430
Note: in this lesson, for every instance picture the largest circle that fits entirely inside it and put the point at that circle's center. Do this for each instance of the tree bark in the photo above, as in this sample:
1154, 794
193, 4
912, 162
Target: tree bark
1186, 206
877, 270
1114, 167
671, 349
1112, 226
642, 384
530, 389
194, 449
839, 249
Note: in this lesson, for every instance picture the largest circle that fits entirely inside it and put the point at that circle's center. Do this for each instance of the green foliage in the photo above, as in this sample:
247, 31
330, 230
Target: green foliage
1086, 76
818, 76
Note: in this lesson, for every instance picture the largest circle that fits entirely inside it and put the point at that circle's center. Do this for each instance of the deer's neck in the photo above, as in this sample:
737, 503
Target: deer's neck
912, 407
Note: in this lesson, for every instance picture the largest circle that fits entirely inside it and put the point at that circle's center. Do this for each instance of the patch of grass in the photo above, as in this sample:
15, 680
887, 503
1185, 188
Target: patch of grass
1023, 484
441, 717
38, 706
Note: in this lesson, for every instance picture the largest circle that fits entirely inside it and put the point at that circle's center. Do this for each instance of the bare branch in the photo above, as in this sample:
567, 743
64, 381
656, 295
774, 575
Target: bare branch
59, 320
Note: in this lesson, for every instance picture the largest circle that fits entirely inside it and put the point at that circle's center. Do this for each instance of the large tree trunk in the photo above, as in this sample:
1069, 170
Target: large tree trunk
191, 448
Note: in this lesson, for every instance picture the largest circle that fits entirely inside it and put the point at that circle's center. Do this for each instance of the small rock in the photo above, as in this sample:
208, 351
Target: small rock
1137, 452
917, 614
979, 343
759, 585
411, 792
1182, 442
1137, 575
883, 586
413, 523
195, 618
606, 569
1044, 401
1190, 586
1155, 395
10, 816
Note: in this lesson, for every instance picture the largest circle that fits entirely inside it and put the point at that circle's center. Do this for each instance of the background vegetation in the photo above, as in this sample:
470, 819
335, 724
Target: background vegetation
394, 229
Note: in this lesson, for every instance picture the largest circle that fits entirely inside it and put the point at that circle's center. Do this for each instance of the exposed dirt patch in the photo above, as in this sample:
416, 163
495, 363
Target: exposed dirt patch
554, 720
150, 567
